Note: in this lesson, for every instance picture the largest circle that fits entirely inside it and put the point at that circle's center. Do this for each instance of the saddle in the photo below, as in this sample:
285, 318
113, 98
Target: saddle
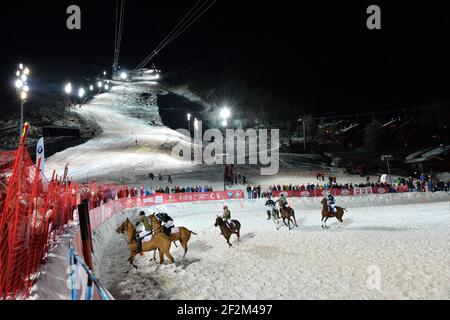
147, 238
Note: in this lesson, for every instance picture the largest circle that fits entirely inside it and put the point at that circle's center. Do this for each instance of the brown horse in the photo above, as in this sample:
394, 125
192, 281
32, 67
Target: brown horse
226, 231
326, 214
288, 214
183, 236
159, 241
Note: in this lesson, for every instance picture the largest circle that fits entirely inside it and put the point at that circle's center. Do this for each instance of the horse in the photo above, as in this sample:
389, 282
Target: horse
289, 214
183, 235
274, 214
226, 231
159, 241
326, 214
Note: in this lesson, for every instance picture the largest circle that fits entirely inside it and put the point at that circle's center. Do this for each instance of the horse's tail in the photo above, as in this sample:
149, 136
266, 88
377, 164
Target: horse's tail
192, 232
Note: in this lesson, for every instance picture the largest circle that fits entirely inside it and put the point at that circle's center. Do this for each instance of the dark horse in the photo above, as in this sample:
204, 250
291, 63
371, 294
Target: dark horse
289, 214
326, 214
226, 231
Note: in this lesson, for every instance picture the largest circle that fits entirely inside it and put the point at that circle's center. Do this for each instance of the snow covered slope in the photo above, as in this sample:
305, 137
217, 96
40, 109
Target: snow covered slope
132, 139
408, 244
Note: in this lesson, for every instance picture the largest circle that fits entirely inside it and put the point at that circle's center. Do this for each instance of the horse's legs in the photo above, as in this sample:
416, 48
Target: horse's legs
326, 219
185, 248
161, 257
228, 241
295, 221
168, 255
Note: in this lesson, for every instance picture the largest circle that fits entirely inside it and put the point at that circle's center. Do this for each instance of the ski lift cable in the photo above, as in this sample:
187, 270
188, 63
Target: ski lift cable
116, 34
120, 17
116, 31
184, 26
179, 23
174, 30
184, 29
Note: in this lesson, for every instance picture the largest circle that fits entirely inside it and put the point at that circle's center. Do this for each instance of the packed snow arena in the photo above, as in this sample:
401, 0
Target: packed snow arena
140, 187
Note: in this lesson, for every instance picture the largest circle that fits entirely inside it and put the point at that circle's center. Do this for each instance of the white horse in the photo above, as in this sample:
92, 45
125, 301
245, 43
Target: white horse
274, 215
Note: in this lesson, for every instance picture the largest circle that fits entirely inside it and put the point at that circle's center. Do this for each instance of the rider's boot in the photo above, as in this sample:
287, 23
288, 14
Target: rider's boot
139, 247
268, 215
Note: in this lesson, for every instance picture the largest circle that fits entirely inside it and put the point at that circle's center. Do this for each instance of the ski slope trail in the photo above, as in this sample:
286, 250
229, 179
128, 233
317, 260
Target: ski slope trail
398, 251
133, 137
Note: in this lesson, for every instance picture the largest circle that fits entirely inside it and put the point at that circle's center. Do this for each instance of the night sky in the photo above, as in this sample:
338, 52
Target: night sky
319, 50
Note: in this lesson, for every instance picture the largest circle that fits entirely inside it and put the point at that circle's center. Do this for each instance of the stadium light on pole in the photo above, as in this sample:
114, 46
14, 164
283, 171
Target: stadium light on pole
123, 76
81, 92
195, 126
189, 121
68, 88
22, 85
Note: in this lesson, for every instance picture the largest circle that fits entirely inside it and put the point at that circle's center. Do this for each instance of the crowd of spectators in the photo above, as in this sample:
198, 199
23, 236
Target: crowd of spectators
424, 184
231, 177
168, 190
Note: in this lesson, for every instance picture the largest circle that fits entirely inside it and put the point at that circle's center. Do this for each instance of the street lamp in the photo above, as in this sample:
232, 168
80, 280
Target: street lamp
106, 87
91, 87
68, 88
224, 123
123, 76
18, 84
225, 113
22, 85
81, 92
189, 121
195, 126
99, 84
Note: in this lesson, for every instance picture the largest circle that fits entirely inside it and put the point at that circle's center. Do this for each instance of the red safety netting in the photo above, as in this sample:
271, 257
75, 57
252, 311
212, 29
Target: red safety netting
32, 215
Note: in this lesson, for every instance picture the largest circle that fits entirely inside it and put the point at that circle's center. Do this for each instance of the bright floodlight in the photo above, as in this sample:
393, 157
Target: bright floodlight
99, 84
68, 88
20, 66
104, 73
91, 87
24, 78
106, 87
189, 117
19, 84
18, 73
123, 75
196, 124
23, 95
224, 123
225, 113
81, 92
26, 71
26, 88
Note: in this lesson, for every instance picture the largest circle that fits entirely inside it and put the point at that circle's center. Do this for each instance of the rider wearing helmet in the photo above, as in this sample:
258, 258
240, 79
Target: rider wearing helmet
227, 217
147, 232
168, 222
331, 203
283, 201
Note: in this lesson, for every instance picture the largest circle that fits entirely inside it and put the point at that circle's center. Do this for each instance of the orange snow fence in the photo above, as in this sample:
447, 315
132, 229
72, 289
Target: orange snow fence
32, 214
